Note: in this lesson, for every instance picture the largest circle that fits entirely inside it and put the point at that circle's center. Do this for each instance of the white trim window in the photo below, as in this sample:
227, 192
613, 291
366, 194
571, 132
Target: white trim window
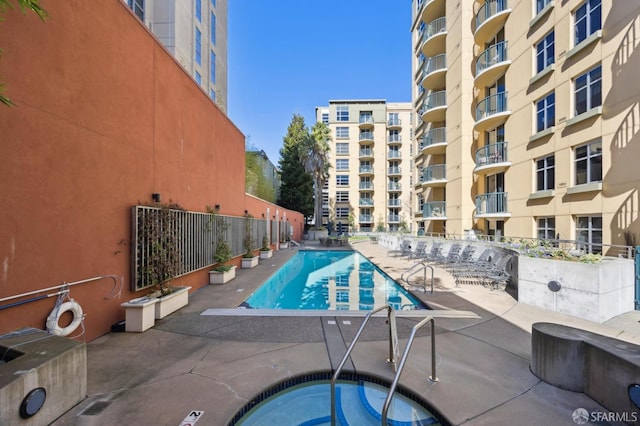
342, 212
589, 233
546, 112
342, 180
342, 113
588, 20
588, 161
342, 196
342, 148
545, 173
545, 52
546, 228
342, 164
588, 90
541, 4
342, 132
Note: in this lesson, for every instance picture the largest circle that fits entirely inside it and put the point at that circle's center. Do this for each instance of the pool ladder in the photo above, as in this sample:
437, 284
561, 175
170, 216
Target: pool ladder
393, 354
420, 266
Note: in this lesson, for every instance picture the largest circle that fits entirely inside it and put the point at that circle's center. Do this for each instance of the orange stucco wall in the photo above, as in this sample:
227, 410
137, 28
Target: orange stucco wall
103, 117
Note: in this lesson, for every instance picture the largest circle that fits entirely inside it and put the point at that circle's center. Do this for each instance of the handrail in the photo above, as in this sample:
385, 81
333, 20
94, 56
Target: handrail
64, 285
390, 318
424, 267
396, 379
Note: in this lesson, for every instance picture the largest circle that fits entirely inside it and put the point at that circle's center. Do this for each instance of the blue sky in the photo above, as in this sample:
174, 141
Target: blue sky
289, 56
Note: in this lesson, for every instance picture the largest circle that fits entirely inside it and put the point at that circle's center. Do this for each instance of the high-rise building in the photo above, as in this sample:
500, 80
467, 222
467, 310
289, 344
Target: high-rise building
370, 185
528, 118
195, 32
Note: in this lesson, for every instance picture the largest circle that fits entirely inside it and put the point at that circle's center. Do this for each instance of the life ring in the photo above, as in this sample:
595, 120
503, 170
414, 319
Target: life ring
54, 318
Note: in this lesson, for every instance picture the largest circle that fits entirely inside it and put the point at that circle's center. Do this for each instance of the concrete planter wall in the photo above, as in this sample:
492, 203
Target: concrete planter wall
140, 314
250, 262
596, 292
266, 254
172, 302
316, 234
284, 245
222, 277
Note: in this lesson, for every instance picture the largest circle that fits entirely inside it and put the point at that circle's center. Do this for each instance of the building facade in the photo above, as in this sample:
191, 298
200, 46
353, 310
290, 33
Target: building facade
371, 184
527, 119
195, 32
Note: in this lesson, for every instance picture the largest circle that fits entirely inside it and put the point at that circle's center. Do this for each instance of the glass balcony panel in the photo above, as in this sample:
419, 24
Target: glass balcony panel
437, 172
493, 55
394, 171
489, 9
491, 105
492, 154
434, 209
493, 203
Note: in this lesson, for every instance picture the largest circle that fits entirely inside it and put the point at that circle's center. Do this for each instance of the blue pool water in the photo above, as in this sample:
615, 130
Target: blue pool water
357, 403
330, 280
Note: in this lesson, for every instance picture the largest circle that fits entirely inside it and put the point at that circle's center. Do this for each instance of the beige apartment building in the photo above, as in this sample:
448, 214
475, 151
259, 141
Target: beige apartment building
371, 184
527, 118
195, 32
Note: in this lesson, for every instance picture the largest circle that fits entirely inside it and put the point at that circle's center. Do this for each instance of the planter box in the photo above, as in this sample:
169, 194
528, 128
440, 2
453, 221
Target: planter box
140, 314
217, 277
284, 245
250, 262
266, 254
172, 302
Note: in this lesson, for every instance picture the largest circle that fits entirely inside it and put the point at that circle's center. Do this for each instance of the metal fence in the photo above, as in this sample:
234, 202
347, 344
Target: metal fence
168, 243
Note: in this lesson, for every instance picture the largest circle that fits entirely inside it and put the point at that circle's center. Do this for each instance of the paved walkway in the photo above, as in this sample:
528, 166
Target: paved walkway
217, 363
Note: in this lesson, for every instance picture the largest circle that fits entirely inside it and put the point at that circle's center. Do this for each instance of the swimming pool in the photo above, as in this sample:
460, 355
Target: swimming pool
330, 280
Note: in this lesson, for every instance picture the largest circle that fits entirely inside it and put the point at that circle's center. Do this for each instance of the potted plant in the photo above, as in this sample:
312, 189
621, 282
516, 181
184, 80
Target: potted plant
284, 239
249, 260
265, 251
222, 273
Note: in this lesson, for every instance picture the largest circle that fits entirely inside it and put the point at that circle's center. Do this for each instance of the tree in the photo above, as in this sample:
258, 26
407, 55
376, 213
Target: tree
256, 182
33, 5
314, 155
296, 189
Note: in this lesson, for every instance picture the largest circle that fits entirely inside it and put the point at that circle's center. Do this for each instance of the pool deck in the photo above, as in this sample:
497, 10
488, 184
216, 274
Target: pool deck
217, 362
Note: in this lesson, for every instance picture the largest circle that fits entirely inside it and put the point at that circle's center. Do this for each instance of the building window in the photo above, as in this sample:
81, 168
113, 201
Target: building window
589, 233
546, 112
213, 3
342, 197
588, 90
212, 67
212, 29
545, 52
198, 43
366, 117
342, 132
540, 4
198, 78
342, 148
342, 164
342, 113
589, 163
138, 8
342, 212
325, 118
545, 173
212, 94
342, 180
199, 10
546, 228
588, 19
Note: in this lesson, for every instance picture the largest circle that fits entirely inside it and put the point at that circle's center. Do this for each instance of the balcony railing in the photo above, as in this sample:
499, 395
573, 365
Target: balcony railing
434, 209
394, 122
434, 173
393, 218
434, 100
366, 218
366, 202
366, 169
394, 186
434, 136
393, 202
489, 9
435, 63
365, 136
434, 27
491, 203
365, 153
492, 154
394, 171
493, 55
491, 105
393, 154
394, 138
366, 185
365, 119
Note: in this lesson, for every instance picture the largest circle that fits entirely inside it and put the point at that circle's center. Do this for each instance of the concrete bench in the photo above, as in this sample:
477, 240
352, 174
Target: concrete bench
577, 360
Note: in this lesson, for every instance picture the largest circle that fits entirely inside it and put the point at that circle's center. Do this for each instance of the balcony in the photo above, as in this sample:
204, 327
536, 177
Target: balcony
434, 210
435, 175
394, 139
394, 155
435, 73
492, 205
434, 37
394, 187
365, 218
491, 64
431, 8
393, 202
365, 202
366, 170
492, 159
366, 186
490, 18
365, 153
393, 218
394, 123
394, 171
365, 137
491, 112
365, 122
434, 142
434, 107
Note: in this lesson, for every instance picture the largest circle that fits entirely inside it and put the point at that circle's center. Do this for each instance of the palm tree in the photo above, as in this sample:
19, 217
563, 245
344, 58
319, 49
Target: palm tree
314, 155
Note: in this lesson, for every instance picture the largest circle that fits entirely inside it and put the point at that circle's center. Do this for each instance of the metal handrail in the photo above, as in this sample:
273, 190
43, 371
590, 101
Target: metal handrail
390, 318
396, 379
424, 268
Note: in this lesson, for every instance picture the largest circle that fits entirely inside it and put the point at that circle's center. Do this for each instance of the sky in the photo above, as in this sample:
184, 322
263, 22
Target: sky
288, 57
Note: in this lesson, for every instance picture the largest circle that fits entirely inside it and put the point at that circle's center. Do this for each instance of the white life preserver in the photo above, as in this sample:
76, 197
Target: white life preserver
54, 317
